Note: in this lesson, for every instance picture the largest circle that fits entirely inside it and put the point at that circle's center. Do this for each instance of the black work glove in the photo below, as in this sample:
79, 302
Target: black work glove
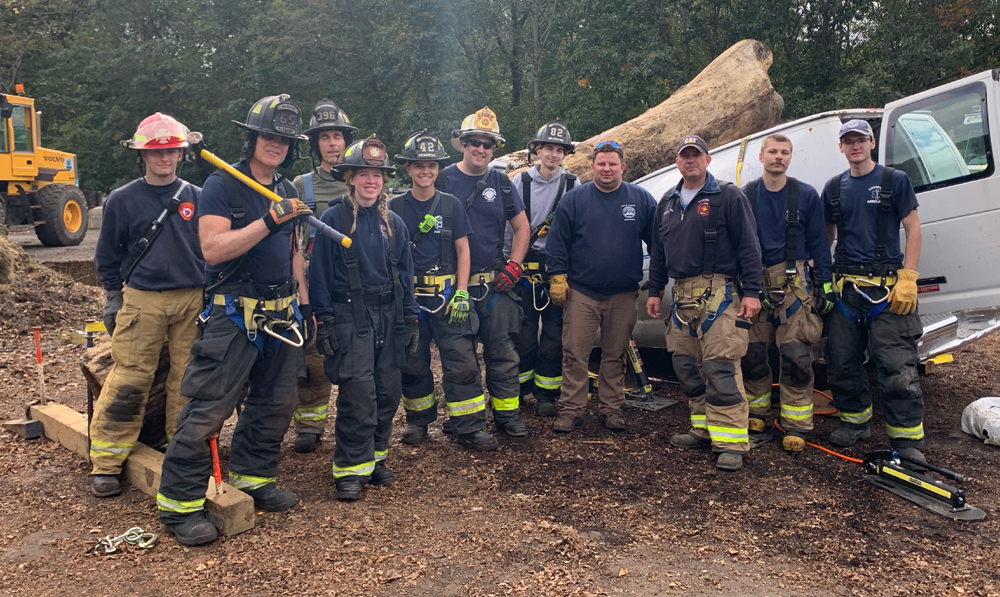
285, 212
112, 305
826, 301
413, 336
326, 338
308, 324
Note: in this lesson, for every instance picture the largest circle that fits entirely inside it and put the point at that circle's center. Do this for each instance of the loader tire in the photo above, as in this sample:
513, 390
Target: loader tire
64, 215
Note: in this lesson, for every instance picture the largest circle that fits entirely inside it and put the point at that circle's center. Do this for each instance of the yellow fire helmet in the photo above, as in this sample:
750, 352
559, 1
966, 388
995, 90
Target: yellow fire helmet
481, 122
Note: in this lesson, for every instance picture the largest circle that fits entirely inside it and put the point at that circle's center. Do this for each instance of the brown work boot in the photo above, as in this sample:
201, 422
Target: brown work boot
565, 423
793, 441
729, 462
690, 441
613, 421
755, 425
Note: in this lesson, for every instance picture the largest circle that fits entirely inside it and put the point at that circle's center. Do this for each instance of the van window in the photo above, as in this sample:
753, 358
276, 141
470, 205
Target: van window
942, 140
24, 138
3, 137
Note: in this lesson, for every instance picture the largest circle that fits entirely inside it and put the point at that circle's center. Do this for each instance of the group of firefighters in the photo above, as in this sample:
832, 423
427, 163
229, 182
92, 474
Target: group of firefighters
247, 295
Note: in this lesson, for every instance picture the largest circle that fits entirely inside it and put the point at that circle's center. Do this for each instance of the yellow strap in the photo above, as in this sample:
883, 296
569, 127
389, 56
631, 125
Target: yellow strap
481, 278
876, 281
532, 266
248, 305
434, 282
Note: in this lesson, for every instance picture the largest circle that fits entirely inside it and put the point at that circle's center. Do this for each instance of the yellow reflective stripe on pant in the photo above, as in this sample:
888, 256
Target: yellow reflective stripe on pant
418, 404
504, 403
905, 432
169, 505
763, 401
358, 470
699, 421
111, 449
526, 376
248, 482
316, 413
732, 435
467, 407
796, 413
548, 383
857, 418
381, 455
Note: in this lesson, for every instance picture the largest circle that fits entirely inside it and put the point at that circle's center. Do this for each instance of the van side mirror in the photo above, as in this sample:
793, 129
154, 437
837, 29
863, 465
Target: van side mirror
6, 108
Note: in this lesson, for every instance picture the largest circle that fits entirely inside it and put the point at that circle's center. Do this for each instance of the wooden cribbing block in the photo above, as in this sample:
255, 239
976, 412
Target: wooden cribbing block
24, 428
142, 468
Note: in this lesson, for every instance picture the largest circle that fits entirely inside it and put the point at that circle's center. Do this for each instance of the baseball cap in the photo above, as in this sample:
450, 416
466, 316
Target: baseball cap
693, 141
856, 126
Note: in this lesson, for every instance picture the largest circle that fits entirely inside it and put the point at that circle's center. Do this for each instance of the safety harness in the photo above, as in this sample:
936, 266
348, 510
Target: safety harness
535, 277
142, 246
438, 281
253, 307
384, 295
881, 272
782, 285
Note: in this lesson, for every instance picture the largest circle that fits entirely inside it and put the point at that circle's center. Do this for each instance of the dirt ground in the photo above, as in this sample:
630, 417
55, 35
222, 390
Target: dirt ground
592, 513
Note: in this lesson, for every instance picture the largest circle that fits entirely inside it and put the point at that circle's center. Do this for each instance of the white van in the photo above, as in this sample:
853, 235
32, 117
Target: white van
946, 140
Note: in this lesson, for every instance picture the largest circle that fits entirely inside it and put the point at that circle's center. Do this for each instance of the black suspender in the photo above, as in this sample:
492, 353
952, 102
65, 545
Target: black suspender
526, 193
711, 234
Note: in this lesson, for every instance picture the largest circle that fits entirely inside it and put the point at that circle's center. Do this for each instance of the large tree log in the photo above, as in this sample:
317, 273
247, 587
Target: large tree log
731, 98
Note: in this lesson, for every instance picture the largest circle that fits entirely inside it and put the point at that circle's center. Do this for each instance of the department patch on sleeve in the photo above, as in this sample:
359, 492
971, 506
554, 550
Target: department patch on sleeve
186, 210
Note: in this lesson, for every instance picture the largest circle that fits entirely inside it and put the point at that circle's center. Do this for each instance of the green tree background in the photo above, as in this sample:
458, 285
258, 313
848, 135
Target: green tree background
96, 67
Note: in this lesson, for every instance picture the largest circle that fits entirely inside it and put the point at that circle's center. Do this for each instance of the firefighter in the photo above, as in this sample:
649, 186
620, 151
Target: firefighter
790, 230
330, 132
439, 240
539, 342
152, 277
257, 319
876, 296
490, 202
594, 260
706, 241
367, 317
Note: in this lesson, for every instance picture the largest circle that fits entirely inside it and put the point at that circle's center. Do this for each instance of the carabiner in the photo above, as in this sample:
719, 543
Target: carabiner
868, 298
266, 326
435, 295
536, 281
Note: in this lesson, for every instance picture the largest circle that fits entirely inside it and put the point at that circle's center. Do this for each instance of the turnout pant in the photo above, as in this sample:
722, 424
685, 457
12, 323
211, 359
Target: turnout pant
795, 328
499, 320
891, 341
367, 374
540, 352
313, 397
707, 347
461, 381
146, 319
223, 360
615, 316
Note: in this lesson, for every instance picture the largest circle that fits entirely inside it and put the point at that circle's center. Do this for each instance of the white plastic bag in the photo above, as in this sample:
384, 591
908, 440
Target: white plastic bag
982, 419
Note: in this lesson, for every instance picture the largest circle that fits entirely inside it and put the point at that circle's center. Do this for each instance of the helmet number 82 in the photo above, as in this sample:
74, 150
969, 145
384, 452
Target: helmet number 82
555, 131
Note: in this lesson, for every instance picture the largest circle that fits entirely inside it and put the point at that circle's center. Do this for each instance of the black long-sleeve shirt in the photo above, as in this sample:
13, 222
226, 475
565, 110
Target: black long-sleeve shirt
173, 261
596, 238
679, 238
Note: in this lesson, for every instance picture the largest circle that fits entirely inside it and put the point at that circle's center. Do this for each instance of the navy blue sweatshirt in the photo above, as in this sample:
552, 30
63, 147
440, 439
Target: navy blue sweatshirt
596, 238
173, 261
679, 241
328, 272
772, 230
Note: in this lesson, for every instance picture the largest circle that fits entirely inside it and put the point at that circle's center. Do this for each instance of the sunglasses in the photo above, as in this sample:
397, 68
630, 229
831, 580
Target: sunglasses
611, 143
278, 138
487, 145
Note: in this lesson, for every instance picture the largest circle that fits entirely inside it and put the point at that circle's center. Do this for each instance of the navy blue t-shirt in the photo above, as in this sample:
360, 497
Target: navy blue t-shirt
597, 237
428, 250
486, 214
328, 271
859, 207
270, 260
771, 228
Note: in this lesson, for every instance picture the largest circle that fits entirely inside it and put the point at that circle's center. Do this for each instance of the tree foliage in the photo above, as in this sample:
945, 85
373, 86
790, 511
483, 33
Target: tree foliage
97, 67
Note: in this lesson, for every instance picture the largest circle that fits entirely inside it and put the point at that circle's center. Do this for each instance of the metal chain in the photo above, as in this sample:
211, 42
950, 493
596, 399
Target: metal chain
136, 536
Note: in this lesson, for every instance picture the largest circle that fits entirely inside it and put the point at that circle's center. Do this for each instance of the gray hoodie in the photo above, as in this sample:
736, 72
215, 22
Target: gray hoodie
543, 195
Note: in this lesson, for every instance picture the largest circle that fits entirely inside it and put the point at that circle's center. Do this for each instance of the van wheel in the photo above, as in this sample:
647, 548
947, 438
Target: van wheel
64, 215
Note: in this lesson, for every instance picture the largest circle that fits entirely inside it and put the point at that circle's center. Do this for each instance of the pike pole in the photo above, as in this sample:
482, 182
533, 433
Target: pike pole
195, 140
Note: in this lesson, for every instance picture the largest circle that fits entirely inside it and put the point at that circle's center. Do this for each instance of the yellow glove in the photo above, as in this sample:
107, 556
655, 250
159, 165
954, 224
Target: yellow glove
903, 296
559, 290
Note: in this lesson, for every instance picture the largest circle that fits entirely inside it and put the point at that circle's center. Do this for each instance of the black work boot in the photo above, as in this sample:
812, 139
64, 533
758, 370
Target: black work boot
271, 499
547, 409
414, 434
349, 490
196, 529
913, 454
513, 427
446, 427
105, 486
845, 437
382, 475
306, 442
479, 440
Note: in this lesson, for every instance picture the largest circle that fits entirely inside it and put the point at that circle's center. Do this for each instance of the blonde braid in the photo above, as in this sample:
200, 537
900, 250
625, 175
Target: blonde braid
354, 203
